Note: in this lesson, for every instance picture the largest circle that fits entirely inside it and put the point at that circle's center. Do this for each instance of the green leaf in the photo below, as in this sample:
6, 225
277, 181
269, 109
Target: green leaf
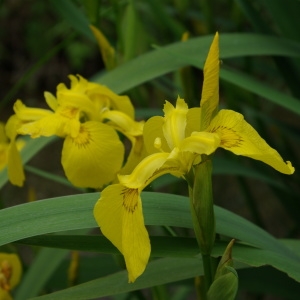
40, 270
168, 270
165, 246
73, 15
160, 271
259, 88
76, 212
193, 52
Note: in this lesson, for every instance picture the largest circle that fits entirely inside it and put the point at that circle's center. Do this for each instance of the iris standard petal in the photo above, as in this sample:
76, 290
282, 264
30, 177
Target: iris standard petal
51, 100
93, 158
120, 217
100, 93
175, 122
193, 120
210, 90
153, 130
241, 138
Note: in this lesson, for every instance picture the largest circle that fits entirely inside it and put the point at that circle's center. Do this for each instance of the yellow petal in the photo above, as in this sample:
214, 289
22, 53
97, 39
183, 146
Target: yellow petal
123, 123
120, 217
175, 122
241, 138
73, 101
4, 295
193, 119
107, 51
12, 126
93, 158
137, 153
153, 129
145, 172
51, 100
3, 137
13, 264
201, 143
100, 93
14, 165
27, 114
210, 90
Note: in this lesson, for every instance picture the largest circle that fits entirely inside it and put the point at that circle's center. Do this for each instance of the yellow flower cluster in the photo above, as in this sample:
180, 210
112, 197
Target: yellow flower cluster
87, 116
175, 143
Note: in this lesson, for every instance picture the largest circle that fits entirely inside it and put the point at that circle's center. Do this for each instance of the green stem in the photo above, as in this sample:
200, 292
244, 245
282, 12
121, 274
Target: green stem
207, 267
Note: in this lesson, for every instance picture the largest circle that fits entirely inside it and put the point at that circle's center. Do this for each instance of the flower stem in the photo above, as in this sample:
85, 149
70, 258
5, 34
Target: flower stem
207, 267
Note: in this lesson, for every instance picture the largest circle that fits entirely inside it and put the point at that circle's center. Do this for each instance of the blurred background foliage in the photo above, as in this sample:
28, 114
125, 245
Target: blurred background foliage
42, 42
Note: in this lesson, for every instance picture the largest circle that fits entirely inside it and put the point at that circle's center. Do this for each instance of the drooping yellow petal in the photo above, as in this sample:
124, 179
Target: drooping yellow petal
107, 51
210, 90
175, 122
14, 165
120, 217
93, 158
241, 138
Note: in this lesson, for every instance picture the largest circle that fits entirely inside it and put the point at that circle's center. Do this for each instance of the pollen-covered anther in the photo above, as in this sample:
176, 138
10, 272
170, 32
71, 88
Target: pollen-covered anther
130, 199
229, 137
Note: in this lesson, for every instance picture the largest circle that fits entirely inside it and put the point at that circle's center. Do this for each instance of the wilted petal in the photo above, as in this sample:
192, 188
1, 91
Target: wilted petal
94, 157
241, 138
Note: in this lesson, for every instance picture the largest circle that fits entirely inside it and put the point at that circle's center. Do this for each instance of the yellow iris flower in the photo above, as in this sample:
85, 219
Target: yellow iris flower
87, 116
10, 274
10, 154
176, 142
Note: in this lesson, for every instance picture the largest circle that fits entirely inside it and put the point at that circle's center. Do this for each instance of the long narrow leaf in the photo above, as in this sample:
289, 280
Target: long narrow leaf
76, 212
